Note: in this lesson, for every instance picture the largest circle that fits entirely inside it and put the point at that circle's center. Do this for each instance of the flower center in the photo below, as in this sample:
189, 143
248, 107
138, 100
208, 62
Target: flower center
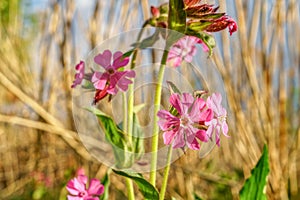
184, 52
184, 121
222, 118
82, 194
111, 71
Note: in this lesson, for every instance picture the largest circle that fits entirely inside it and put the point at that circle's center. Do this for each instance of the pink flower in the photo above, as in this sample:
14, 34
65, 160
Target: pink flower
218, 124
79, 191
79, 75
115, 78
181, 130
184, 49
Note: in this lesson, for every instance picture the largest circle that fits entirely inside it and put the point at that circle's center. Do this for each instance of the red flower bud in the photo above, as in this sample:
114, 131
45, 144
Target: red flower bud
155, 12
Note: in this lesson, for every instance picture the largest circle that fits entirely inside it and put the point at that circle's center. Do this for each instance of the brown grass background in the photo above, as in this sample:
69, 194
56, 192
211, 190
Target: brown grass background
260, 66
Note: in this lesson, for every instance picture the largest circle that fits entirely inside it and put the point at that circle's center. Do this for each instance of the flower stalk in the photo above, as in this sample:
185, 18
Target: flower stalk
157, 100
166, 174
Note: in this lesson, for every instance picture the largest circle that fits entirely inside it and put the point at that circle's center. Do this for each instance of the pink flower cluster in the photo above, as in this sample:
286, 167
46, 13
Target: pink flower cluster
78, 189
109, 82
195, 120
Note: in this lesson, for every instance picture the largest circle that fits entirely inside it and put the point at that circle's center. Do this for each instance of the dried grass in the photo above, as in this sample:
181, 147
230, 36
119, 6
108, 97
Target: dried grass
259, 66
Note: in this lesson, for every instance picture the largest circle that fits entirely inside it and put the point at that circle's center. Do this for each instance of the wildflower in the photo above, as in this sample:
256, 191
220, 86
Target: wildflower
218, 124
184, 49
113, 76
181, 130
79, 75
78, 189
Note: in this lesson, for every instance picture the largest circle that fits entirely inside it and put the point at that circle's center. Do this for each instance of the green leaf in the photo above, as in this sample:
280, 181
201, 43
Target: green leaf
88, 85
128, 53
196, 197
254, 187
115, 137
177, 16
172, 87
147, 42
106, 183
146, 188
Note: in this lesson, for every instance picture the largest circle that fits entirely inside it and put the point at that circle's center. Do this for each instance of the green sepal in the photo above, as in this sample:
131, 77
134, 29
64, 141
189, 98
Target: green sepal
206, 38
210, 16
198, 26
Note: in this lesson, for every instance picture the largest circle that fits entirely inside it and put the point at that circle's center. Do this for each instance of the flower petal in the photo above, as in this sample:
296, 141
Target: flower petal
79, 74
195, 110
119, 61
74, 197
225, 129
71, 187
103, 59
176, 103
202, 135
77, 185
100, 79
168, 137
179, 139
96, 188
187, 99
194, 145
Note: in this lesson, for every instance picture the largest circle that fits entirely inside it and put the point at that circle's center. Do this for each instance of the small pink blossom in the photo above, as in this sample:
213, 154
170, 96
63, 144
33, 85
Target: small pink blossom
184, 49
78, 189
218, 124
79, 74
115, 78
181, 130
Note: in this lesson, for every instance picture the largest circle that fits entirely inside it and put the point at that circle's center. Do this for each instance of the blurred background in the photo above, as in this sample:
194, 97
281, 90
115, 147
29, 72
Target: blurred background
40, 43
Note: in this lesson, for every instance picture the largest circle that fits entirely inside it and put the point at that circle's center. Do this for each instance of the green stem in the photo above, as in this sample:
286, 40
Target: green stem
125, 119
166, 175
130, 105
130, 189
128, 181
128, 117
157, 99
